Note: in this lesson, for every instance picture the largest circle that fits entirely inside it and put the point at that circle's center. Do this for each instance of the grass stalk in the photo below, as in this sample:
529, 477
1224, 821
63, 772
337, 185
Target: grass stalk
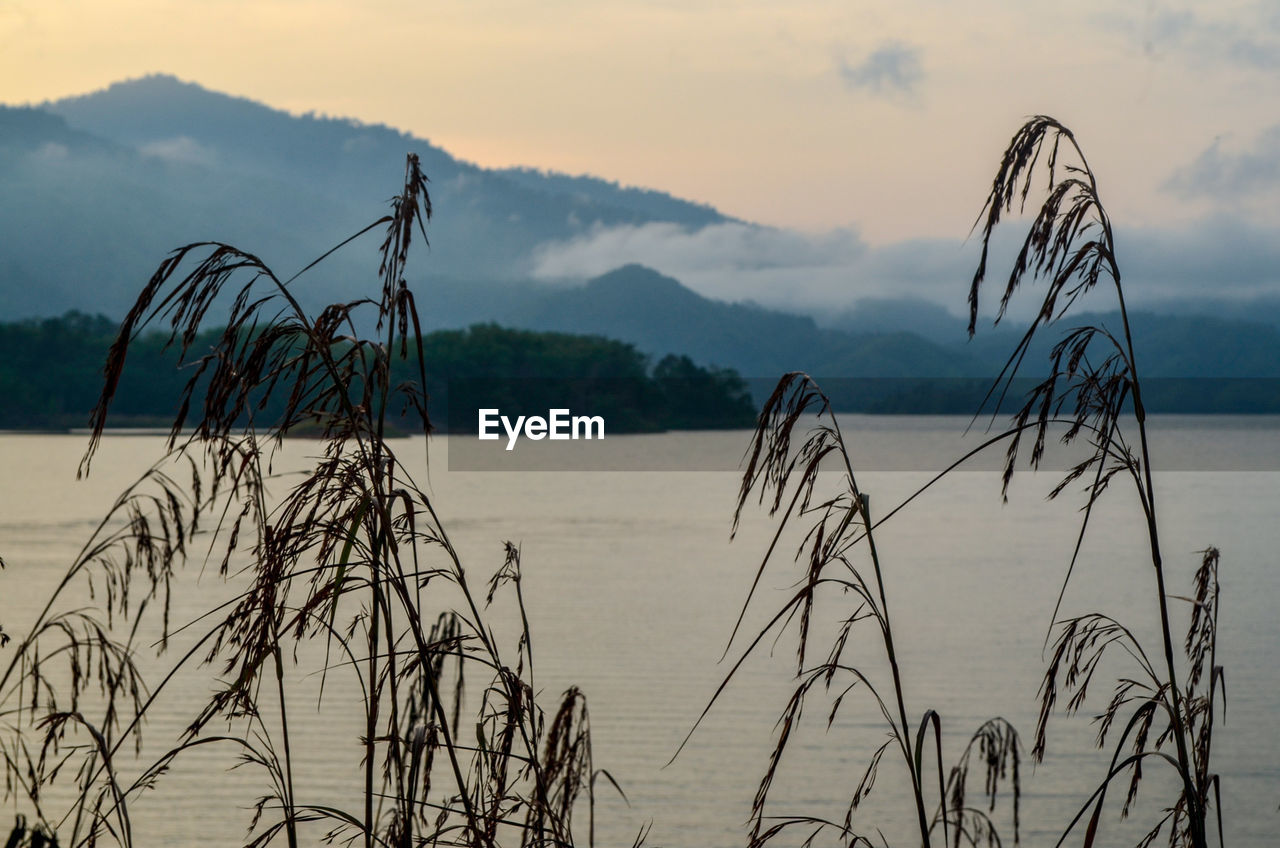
1070, 245
346, 539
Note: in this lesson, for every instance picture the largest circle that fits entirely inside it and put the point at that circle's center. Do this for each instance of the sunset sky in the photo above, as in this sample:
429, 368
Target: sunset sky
885, 118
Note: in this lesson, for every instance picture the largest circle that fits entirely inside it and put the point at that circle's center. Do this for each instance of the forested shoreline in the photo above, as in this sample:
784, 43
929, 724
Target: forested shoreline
51, 375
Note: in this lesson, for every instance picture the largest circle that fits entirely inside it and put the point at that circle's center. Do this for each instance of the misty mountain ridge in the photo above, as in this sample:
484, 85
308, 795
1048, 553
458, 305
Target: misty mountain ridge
165, 116
101, 186
486, 221
95, 190
660, 315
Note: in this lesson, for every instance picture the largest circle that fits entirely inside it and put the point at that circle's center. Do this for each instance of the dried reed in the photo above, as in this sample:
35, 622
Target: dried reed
353, 558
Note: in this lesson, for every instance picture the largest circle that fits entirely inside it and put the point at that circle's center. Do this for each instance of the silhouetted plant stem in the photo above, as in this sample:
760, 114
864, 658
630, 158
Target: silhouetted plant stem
371, 707
913, 765
783, 465
1153, 534
362, 518
290, 822
1070, 245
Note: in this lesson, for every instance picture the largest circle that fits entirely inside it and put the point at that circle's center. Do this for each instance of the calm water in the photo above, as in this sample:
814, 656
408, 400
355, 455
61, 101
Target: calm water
633, 589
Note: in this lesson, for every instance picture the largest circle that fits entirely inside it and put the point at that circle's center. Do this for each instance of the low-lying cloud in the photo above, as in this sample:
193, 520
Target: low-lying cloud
1227, 175
783, 269
825, 275
733, 246
182, 149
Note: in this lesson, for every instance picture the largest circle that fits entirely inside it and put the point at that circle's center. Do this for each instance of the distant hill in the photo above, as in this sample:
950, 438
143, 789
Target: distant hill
51, 378
654, 312
95, 190
85, 221
98, 188
487, 222
658, 314
165, 116
28, 131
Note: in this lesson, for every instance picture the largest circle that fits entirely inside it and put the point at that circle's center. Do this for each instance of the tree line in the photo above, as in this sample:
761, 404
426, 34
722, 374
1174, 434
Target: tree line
51, 374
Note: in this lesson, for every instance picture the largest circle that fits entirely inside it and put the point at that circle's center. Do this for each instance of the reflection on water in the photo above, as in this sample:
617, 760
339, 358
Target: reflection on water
633, 589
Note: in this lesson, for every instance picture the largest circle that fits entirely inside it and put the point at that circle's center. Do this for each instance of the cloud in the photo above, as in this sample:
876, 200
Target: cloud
359, 144
180, 148
892, 68
1249, 38
1227, 175
1219, 256
782, 269
730, 246
824, 275
51, 153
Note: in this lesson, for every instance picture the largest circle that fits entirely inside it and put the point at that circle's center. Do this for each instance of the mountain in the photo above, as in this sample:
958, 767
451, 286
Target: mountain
28, 131
165, 116
890, 339
659, 315
654, 312
96, 189
486, 221
85, 220
905, 314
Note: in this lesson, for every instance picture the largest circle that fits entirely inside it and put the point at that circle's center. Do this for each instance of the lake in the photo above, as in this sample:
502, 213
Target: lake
633, 588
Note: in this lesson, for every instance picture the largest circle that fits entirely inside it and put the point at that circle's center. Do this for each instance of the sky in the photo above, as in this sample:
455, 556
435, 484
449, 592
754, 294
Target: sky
876, 123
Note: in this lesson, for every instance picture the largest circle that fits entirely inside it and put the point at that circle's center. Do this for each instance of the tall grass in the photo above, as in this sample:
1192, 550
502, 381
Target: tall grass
1092, 384
797, 433
1152, 720
352, 559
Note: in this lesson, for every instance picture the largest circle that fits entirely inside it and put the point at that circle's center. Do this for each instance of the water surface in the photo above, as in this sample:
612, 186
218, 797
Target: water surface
634, 587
